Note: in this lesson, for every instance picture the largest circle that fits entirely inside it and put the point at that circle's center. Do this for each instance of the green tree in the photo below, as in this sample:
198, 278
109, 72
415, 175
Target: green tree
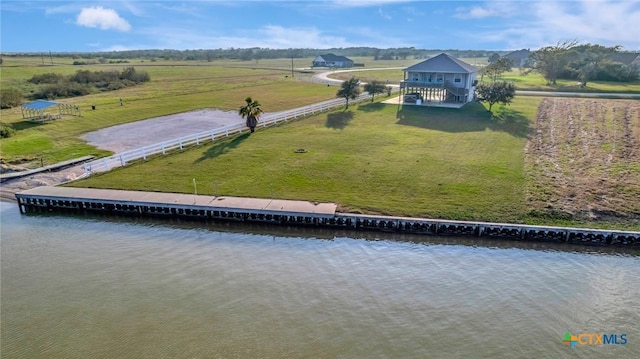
551, 60
590, 59
496, 92
6, 130
374, 87
251, 111
350, 89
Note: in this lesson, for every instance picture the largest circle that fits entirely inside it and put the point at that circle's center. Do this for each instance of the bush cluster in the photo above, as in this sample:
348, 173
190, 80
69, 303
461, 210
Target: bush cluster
6, 130
84, 82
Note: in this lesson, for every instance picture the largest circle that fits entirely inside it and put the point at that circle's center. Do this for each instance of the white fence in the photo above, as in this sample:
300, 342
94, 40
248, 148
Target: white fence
333, 82
123, 158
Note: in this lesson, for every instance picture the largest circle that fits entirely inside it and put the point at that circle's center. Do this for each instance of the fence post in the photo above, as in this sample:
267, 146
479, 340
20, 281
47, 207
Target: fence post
106, 166
122, 162
144, 153
180, 142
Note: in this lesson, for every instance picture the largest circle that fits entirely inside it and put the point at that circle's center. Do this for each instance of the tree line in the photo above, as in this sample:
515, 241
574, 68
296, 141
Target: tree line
257, 53
582, 62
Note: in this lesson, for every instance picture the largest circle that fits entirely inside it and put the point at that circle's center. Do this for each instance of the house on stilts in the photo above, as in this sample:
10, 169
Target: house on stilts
442, 80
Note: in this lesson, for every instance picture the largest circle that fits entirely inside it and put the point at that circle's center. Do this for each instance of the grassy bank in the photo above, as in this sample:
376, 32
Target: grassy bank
372, 158
378, 158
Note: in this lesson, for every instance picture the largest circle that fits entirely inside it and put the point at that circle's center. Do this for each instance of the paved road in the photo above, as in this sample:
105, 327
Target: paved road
324, 76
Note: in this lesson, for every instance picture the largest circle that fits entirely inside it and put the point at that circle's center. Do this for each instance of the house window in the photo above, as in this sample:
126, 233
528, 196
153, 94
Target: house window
439, 77
457, 78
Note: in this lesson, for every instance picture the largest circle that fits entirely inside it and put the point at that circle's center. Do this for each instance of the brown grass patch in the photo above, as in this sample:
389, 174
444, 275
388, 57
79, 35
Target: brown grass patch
583, 159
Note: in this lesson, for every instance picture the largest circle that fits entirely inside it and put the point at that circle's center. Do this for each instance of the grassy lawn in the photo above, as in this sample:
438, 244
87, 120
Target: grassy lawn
535, 82
373, 158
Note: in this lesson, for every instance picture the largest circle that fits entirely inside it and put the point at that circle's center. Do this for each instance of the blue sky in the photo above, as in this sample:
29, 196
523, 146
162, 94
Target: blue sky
87, 26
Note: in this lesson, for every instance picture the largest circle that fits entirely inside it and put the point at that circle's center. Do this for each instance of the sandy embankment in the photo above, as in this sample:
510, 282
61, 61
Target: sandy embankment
126, 137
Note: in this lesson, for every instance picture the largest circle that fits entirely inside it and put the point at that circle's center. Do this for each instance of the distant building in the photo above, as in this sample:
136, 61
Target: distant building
626, 58
442, 79
518, 58
331, 60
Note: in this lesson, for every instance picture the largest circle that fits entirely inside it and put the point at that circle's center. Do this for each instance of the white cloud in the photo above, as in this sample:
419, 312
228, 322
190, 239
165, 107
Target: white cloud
491, 9
271, 36
102, 18
278, 37
383, 14
545, 23
603, 22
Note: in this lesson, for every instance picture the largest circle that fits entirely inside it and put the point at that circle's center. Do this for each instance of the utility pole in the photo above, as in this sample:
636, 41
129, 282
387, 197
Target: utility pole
291, 66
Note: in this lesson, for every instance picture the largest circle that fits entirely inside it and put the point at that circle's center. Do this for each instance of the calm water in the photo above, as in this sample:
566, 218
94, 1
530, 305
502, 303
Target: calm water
78, 287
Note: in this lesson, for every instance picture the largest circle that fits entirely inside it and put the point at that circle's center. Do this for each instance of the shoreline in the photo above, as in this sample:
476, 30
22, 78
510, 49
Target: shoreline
297, 213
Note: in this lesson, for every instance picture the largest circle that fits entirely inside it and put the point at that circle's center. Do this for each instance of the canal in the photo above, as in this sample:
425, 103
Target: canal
108, 287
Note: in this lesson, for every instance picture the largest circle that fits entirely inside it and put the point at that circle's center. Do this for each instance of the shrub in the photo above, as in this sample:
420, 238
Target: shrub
6, 131
49, 78
10, 98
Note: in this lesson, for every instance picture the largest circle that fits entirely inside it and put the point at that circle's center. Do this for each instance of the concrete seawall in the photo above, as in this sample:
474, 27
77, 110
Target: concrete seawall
300, 213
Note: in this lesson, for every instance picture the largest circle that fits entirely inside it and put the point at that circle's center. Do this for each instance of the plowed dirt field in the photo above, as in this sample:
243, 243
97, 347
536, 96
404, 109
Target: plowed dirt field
583, 158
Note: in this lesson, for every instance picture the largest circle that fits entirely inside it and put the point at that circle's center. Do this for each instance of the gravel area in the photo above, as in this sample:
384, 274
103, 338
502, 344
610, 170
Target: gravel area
142, 133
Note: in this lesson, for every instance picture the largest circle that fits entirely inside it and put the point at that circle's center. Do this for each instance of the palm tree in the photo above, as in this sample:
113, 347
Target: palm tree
252, 112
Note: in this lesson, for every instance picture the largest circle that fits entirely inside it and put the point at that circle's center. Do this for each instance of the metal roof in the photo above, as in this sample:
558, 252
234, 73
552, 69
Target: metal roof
334, 58
39, 104
443, 63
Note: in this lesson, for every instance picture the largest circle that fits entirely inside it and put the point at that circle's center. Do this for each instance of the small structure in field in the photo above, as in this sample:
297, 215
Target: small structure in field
442, 80
331, 60
36, 111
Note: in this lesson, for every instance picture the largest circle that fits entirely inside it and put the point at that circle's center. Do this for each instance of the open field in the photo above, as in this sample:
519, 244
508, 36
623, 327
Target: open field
417, 161
535, 82
172, 89
583, 159
378, 158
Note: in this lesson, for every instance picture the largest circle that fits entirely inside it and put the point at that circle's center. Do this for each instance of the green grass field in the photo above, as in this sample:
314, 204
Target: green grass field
172, 89
378, 158
372, 158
